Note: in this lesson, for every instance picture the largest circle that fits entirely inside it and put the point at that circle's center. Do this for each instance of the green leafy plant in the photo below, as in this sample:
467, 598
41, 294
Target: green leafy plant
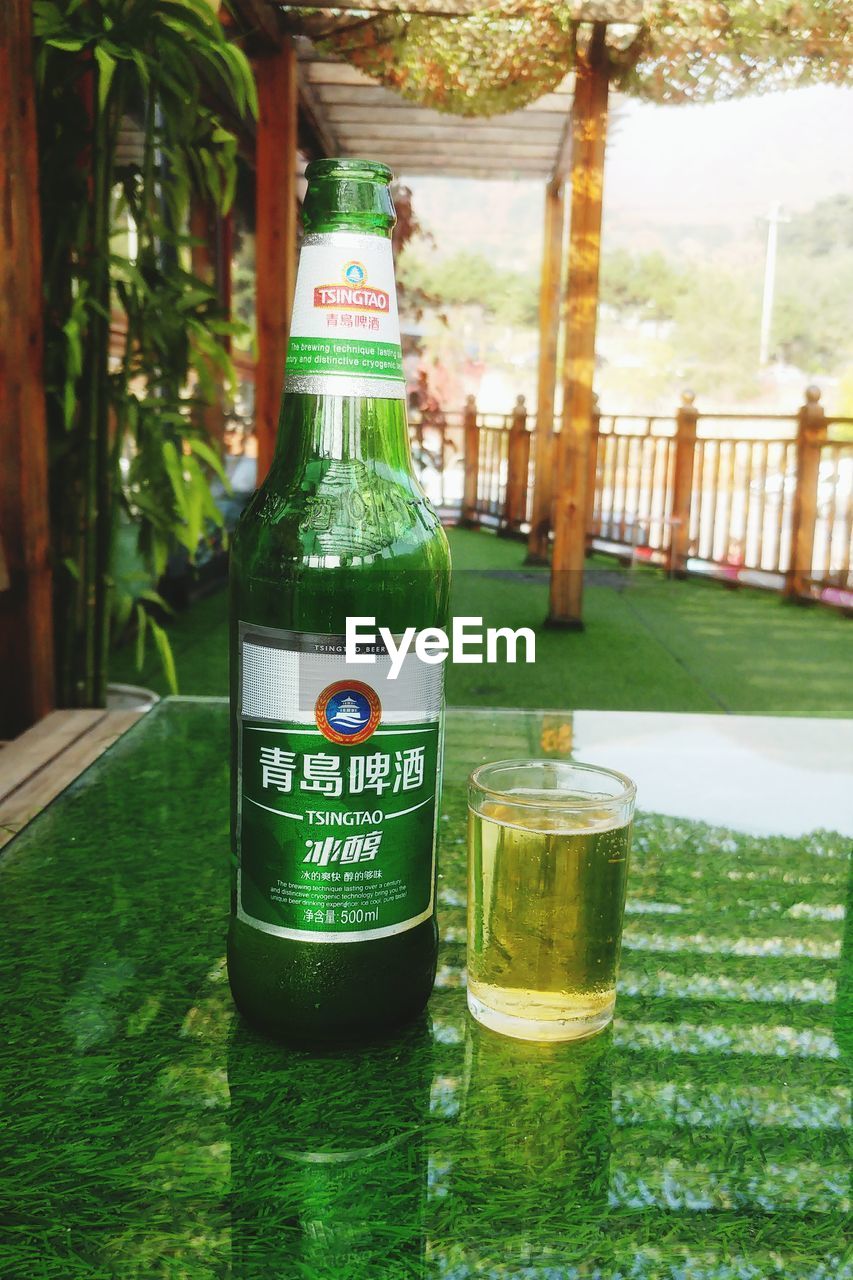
125, 444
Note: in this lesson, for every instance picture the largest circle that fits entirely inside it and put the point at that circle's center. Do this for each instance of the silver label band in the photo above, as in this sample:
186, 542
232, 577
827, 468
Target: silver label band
317, 384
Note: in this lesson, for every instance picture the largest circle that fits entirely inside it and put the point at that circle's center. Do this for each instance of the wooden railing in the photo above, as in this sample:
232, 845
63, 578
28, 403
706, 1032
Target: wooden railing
760, 498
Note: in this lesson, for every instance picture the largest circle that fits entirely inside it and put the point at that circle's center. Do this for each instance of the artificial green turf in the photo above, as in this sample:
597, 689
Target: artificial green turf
650, 644
149, 1134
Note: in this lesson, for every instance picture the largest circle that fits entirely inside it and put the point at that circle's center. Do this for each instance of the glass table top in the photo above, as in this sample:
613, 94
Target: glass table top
705, 1136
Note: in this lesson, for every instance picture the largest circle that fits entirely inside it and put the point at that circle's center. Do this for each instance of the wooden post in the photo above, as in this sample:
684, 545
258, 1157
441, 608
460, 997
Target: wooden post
470, 517
26, 627
592, 467
549, 334
518, 471
589, 134
275, 240
811, 434
686, 419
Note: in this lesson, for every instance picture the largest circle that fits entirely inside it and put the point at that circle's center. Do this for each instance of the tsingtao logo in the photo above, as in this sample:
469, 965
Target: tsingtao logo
347, 712
355, 273
353, 295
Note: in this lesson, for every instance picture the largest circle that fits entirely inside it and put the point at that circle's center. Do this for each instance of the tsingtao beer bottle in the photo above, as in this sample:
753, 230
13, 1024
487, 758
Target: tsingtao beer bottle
336, 767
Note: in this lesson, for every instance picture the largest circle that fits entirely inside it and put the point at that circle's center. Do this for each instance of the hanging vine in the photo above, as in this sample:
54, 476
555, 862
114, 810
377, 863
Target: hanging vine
501, 59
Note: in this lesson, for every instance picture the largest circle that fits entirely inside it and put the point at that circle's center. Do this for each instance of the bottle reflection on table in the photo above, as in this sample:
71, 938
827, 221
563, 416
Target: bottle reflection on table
328, 1158
528, 1162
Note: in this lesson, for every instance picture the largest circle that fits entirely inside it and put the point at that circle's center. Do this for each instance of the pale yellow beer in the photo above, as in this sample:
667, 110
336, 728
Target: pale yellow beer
547, 868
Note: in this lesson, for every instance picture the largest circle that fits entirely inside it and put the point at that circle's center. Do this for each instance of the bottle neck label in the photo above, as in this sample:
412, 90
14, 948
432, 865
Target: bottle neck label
339, 772
345, 330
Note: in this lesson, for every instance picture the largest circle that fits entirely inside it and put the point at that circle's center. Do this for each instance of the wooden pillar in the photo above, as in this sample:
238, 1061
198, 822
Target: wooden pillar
811, 435
549, 334
589, 133
26, 627
275, 239
470, 515
682, 484
518, 471
592, 470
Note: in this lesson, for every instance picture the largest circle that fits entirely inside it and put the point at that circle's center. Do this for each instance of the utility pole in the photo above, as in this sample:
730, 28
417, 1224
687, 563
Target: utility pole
774, 218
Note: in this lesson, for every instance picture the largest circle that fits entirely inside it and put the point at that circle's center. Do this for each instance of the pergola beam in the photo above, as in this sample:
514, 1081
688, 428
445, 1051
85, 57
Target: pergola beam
317, 118
261, 21
26, 627
589, 135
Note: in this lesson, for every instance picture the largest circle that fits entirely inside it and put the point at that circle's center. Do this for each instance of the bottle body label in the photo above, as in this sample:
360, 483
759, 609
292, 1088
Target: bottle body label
338, 788
345, 331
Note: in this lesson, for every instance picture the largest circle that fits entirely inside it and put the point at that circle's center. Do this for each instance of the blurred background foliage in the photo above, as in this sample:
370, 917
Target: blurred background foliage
133, 102
675, 315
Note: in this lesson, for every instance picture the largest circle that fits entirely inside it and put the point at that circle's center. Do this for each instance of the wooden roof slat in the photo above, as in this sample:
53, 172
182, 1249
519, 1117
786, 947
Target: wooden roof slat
365, 118
415, 169
375, 95
412, 117
541, 154
442, 167
327, 73
356, 134
336, 73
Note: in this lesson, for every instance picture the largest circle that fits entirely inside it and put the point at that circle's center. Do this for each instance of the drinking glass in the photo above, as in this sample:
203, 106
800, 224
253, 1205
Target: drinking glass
548, 847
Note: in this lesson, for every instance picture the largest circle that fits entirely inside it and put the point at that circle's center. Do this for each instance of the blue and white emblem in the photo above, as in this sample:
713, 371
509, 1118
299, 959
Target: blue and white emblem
347, 712
354, 273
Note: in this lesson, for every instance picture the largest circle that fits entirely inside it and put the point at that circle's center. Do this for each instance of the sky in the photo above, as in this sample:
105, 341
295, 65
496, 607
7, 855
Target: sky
670, 170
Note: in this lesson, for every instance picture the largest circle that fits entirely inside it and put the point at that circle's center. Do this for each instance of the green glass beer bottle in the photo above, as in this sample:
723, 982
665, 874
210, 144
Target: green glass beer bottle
336, 766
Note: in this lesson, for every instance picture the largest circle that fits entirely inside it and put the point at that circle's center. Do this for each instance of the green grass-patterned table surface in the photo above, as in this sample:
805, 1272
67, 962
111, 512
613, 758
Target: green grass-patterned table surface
147, 1133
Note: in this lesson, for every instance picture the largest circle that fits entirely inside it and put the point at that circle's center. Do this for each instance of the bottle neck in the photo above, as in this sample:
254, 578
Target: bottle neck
344, 394
344, 329
342, 429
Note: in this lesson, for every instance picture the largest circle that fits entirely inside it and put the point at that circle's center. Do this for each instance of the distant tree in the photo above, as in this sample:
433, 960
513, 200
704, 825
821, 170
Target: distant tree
471, 279
646, 283
812, 317
823, 229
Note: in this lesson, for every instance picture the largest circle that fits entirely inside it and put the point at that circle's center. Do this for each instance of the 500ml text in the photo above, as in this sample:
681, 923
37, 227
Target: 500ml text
467, 642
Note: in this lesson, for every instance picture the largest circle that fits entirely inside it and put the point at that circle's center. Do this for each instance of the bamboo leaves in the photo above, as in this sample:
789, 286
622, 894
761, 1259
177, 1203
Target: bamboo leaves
126, 459
106, 69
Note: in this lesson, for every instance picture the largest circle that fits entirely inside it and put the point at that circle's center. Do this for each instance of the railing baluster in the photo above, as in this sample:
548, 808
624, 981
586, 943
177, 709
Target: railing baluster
783, 530
611, 480
621, 449
644, 496
762, 499
731, 479
715, 525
